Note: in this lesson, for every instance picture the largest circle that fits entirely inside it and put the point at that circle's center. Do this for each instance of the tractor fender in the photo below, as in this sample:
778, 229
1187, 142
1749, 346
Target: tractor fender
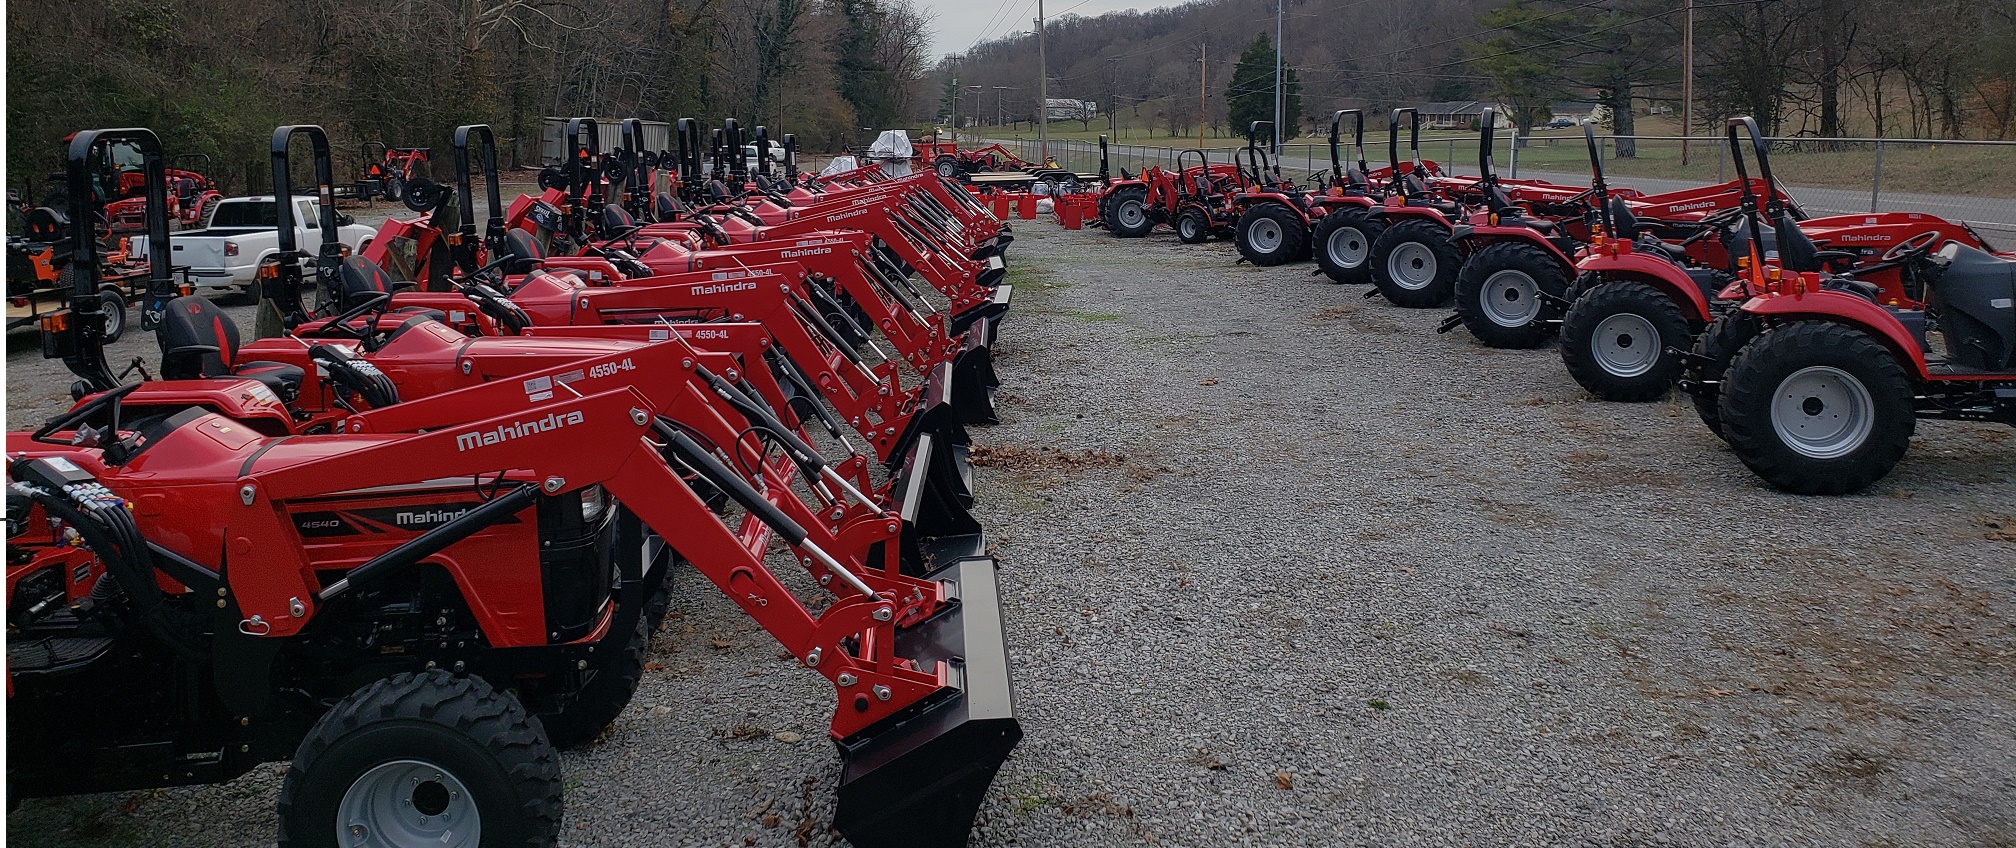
1256, 199
1470, 238
1655, 272
1846, 309
1395, 214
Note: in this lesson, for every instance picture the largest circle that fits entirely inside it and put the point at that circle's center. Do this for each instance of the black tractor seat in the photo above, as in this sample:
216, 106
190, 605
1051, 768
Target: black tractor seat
199, 341
362, 278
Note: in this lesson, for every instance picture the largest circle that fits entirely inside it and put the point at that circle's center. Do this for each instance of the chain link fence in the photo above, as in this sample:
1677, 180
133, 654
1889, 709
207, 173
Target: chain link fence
1970, 181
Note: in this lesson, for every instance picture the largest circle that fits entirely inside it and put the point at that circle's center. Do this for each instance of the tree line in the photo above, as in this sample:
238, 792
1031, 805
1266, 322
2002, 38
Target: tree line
1938, 69
215, 78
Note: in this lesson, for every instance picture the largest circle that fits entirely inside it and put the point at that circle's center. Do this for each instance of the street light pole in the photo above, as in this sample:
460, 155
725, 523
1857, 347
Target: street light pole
1278, 93
1687, 81
1042, 92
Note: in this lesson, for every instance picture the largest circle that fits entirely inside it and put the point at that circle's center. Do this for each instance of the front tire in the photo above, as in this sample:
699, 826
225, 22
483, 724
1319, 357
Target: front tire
425, 758
1192, 227
1344, 245
1414, 265
1127, 215
1270, 234
1615, 337
1709, 365
598, 704
1818, 408
1508, 295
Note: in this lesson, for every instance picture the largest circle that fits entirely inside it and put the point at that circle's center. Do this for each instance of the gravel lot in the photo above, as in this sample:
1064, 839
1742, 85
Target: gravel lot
1284, 567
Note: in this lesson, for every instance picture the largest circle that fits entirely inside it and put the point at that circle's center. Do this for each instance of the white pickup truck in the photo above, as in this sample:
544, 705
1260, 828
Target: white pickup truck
242, 232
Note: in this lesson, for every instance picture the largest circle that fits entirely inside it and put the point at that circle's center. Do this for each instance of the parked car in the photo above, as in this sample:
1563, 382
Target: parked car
242, 232
1560, 122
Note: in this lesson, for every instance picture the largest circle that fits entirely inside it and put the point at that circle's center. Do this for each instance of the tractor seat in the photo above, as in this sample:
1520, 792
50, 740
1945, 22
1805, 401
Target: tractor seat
524, 251
668, 207
199, 341
1798, 253
363, 278
616, 219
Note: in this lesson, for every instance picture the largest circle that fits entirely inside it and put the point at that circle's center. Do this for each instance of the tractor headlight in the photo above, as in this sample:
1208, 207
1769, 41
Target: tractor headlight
594, 501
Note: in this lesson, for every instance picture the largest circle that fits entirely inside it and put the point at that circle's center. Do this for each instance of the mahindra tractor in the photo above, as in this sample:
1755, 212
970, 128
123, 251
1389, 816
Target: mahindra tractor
1652, 285
1277, 217
1132, 206
1342, 239
418, 695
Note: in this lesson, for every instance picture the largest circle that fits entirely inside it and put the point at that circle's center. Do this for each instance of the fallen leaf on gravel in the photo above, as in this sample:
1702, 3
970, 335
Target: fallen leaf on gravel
1378, 704
1211, 382
1720, 693
723, 645
772, 820
746, 732
787, 737
654, 665
661, 711
2000, 529
1284, 780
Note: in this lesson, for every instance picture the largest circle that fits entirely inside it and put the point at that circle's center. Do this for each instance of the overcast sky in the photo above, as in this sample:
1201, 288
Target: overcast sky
958, 24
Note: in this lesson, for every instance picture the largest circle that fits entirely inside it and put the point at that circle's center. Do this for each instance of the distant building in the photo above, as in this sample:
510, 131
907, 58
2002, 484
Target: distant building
1452, 114
1577, 112
1066, 109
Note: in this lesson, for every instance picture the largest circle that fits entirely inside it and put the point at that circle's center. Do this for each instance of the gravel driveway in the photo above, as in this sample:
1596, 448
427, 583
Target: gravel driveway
1284, 567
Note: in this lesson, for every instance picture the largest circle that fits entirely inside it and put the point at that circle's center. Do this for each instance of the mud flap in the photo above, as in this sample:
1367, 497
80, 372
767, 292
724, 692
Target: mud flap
992, 312
973, 377
918, 779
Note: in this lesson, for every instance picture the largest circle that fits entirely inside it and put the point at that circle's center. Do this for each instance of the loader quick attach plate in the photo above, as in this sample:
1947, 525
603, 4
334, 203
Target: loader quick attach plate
917, 779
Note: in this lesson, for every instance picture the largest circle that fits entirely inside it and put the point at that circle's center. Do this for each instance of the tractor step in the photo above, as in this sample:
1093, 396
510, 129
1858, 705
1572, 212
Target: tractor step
55, 654
918, 779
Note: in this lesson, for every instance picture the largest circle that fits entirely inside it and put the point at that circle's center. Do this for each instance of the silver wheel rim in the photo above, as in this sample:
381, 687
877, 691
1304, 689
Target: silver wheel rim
1412, 266
1626, 345
1265, 235
1510, 298
1822, 412
947, 170
1347, 247
1130, 214
408, 802
1189, 226
115, 315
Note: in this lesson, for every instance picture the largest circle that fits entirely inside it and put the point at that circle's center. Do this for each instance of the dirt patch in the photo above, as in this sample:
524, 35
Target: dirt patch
1015, 458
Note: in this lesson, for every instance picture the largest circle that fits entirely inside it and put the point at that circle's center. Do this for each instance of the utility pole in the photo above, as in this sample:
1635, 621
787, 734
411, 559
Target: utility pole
1201, 70
1042, 92
1686, 81
955, 109
1279, 95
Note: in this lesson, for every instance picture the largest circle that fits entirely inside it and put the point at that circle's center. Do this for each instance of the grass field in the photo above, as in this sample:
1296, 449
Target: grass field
1928, 167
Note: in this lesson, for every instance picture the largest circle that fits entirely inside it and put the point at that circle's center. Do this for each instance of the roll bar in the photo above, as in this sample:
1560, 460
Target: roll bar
791, 157
762, 150
688, 131
731, 138
493, 226
285, 287
1598, 186
82, 345
1357, 141
1393, 141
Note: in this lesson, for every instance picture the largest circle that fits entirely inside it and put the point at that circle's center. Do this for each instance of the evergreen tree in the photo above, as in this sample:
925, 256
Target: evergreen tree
865, 83
1249, 96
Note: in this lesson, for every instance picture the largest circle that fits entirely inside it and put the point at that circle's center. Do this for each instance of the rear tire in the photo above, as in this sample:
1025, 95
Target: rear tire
1126, 215
1709, 366
1343, 245
598, 704
1414, 265
1508, 294
947, 167
1614, 340
1192, 227
427, 744
1270, 234
1818, 408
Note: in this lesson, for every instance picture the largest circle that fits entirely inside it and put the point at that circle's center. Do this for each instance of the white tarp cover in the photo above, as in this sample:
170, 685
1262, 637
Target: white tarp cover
839, 165
892, 149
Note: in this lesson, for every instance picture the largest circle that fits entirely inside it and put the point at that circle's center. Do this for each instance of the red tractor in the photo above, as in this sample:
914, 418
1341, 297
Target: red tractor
1276, 216
1131, 206
1652, 284
448, 586
1343, 238
387, 173
1824, 395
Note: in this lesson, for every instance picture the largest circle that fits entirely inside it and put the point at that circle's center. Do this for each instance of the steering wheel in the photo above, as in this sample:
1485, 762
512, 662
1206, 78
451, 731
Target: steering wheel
1912, 247
86, 412
340, 326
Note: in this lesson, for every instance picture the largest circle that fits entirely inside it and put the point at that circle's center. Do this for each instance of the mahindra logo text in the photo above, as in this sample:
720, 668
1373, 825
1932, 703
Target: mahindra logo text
725, 288
519, 430
432, 516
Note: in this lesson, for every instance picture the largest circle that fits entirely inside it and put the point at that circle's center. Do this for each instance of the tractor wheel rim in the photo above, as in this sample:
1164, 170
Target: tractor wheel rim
1188, 226
1822, 412
1626, 345
1131, 214
1412, 266
408, 802
115, 316
1266, 236
1347, 247
1510, 298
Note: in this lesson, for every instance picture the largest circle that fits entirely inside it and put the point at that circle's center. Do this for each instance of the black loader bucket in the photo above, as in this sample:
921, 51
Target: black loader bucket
973, 378
917, 780
991, 312
933, 478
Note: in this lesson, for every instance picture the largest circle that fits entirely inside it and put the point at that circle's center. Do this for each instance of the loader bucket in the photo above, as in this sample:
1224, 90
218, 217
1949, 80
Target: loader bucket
933, 480
992, 312
973, 378
917, 781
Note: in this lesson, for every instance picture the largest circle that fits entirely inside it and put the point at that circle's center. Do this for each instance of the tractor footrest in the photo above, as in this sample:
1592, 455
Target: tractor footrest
55, 654
918, 779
